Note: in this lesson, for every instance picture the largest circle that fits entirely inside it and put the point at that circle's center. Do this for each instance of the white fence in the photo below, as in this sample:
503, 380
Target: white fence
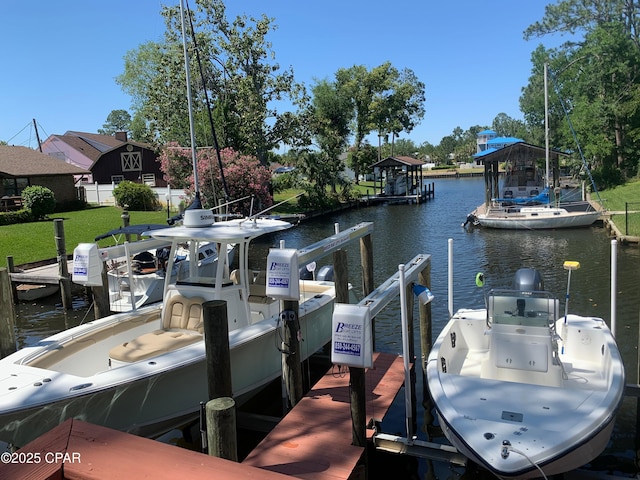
103, 195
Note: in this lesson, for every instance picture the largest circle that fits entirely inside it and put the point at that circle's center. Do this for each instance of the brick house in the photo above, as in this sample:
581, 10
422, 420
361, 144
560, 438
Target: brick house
21, 167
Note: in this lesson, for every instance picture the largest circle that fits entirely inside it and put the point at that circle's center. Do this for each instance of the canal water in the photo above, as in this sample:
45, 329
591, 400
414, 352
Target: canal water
403, 231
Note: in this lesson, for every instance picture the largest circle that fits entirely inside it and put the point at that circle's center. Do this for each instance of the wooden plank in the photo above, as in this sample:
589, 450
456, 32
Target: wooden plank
313, 441
108, 454
92, 452
37, 460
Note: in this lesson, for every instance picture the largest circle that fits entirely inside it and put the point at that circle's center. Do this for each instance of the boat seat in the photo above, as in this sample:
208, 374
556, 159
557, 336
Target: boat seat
522, 355
257, 280
182, 325
521, 352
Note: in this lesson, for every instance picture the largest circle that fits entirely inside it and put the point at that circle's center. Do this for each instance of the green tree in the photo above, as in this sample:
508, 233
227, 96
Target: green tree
595, 79
383, 99
117, 121
239, 76
506, 126
136, 196
330, 116
401, 147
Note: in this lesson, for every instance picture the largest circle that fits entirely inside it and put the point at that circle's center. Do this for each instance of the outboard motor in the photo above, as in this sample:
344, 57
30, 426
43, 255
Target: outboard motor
325, 274
528, 280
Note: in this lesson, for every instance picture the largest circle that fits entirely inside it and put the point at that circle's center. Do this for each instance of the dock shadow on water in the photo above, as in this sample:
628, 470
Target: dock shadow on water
400, 233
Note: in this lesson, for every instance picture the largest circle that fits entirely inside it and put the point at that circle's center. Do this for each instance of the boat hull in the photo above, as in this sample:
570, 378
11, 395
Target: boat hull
147, 397
565, 462
536, 218
511, 408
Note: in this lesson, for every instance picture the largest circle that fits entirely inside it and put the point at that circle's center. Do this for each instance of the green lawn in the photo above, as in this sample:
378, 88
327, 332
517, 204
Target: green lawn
31, 242
615, 199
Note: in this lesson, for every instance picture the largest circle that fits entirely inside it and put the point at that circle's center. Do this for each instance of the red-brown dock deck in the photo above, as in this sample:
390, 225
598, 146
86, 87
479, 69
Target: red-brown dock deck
313, 441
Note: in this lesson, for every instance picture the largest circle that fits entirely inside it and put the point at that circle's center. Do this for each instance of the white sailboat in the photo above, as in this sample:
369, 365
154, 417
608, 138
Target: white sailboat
505, 213
521, 390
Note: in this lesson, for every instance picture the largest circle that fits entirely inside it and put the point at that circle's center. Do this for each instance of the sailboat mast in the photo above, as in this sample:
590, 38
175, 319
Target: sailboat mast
546, 125
194, 160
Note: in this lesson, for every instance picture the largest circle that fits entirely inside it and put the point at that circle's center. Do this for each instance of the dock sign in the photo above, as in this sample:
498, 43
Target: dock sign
282, 274
351, 336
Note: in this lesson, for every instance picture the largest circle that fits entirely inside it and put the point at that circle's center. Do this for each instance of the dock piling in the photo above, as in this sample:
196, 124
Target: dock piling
12, 269
63, 271
221, 428
7, 321
292, 358
216, 339
220, 409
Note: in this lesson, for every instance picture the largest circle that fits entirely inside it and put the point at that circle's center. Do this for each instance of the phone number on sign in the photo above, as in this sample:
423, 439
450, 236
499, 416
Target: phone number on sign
39, 457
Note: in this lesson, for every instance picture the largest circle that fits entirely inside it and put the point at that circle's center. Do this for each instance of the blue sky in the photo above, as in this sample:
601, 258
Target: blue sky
60, 58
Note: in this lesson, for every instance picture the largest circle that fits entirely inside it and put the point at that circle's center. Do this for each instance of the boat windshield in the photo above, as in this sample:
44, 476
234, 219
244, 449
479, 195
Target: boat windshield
512, 307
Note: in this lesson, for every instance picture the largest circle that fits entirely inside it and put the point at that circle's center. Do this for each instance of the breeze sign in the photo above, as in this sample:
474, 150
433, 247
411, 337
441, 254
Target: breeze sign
351, 336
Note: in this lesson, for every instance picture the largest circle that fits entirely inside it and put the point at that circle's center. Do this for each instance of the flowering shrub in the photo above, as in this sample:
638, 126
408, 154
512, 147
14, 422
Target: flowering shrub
244, 176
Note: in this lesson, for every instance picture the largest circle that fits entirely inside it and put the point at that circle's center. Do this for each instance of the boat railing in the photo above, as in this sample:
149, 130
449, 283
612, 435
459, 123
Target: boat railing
512, 307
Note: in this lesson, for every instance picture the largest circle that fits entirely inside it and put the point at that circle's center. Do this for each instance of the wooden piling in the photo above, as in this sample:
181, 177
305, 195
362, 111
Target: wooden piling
125, 221
292, 358
12, 269
216, 339
221, 428
7, 319
366, 261
63, 271
341, 276
101, 305
357, 393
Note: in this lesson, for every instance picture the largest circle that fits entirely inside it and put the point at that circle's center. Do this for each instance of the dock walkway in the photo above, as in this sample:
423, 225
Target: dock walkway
313, 441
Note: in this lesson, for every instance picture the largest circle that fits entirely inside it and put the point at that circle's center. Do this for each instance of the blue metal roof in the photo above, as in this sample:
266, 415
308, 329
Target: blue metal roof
485, 152
487, 132
505, 140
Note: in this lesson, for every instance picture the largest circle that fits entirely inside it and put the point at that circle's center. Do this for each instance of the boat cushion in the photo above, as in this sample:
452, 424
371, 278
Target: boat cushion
183, 313
182, 323
152, 344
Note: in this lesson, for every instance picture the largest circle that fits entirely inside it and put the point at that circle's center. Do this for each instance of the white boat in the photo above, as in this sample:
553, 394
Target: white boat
525, 198
136, 271
144, 371
523, 391
534, 217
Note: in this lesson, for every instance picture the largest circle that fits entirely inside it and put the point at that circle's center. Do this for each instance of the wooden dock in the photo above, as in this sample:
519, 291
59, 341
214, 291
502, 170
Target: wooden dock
313, 441
82, 451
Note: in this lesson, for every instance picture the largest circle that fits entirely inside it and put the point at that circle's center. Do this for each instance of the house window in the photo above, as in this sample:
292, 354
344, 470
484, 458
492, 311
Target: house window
149, 179
131, 161
14, 186
116, 179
